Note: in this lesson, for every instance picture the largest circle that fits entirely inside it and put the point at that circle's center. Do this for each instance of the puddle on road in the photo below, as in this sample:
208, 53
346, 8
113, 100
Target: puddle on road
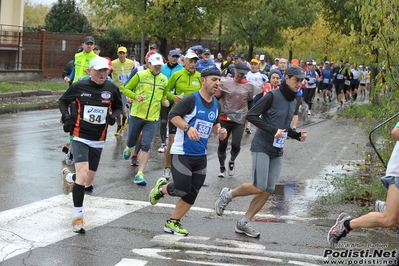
297, 198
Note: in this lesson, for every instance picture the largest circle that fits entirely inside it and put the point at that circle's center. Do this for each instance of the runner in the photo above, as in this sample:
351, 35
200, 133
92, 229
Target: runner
95, 104
196, 117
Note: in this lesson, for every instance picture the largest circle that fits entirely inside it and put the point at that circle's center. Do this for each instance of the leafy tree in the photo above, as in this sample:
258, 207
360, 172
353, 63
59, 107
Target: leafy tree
342, 15
260, 23
34, 14
65, 16
164, 20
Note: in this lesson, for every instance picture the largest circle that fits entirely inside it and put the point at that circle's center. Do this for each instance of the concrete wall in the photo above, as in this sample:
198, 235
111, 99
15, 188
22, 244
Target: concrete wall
21, 75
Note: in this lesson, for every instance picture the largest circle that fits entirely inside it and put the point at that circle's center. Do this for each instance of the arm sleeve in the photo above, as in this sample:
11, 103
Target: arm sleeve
130, 86
171, 84
257, 110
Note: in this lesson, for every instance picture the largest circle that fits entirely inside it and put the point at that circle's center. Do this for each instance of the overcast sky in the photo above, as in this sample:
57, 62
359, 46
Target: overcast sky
44, 2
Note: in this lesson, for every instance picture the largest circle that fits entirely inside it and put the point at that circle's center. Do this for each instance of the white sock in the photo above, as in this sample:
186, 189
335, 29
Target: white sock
244, 220
78, 211
69, 177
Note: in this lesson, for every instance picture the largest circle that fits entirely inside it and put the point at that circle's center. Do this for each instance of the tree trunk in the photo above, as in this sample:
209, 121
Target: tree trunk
163, 47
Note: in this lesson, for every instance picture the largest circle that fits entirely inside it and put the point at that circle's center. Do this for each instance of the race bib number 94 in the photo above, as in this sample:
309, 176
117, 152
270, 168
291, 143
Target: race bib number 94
95, 114
204, 128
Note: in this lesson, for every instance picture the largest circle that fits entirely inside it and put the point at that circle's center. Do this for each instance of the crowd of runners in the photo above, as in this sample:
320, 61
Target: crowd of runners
189, 96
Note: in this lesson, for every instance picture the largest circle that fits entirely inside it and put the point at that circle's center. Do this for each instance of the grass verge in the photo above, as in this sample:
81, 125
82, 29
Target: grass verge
30, 85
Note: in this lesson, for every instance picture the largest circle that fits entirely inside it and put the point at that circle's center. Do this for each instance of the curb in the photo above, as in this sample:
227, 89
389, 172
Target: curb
29, 93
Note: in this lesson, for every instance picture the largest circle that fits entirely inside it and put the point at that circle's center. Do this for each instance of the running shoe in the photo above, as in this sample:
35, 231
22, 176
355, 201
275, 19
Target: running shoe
135, 161
231, 169
66, 186
119, 131
139, 179
126, 153
162, 149
309, 112
222, 202
174, 227
89, 188
222, 172
167, 173
338, 230
245, 228
380, 206
78, 225
156, 193
248, 129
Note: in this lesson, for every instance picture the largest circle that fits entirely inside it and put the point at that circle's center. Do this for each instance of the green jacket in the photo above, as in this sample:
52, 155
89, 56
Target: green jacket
183, 81
150, 86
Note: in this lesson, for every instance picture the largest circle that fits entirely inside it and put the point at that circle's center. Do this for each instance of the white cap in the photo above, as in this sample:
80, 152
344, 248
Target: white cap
190, 55
262, 57
99, 62
156, 60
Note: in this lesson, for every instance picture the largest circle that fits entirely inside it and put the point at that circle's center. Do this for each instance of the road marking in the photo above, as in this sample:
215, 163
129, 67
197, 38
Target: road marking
130, 262
233, 249
48, 221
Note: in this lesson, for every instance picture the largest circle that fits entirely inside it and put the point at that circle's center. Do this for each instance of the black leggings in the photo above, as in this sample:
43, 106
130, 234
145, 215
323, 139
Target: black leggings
188, 174
236, 130
163, 122
308, 96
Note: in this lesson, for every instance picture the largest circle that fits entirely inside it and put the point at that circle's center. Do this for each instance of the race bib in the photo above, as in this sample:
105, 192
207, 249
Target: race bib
312, 80
204, 128
326, 80
347, 82
340, 76
279, 143
95, 114
122, 77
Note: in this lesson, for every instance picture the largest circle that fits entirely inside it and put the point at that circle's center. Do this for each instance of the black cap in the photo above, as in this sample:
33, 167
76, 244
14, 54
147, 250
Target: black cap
97, 47
80, 49
241, 67
132, 54
206, 51
88, 39
296, 71
236, 56
153, 46
210, 71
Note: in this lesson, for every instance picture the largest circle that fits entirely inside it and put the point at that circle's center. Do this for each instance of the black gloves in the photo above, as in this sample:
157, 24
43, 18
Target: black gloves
69, 123
111, 120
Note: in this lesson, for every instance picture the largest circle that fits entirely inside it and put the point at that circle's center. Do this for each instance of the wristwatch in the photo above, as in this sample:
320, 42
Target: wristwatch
186, 127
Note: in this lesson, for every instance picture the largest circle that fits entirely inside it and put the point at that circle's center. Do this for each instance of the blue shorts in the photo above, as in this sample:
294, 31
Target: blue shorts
387, 180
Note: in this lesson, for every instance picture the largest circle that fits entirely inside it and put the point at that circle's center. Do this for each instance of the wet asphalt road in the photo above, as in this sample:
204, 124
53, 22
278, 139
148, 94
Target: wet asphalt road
293, 224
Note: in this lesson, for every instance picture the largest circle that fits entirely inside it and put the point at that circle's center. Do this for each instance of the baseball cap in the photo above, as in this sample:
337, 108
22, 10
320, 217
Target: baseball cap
310, 62
174, 52
254, 61
241, 67
153, 46
99, 62
294, 62
122, 49
327, 62
97, 47
156, 59
276, 59
149, 54
296, 71
80, 49
88, 39
236, 56
210, 71
132, 54
262, 57
190, 55
207, 51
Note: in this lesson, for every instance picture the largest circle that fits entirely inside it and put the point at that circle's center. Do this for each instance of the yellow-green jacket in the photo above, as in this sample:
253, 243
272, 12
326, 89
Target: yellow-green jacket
152, 88
81, 63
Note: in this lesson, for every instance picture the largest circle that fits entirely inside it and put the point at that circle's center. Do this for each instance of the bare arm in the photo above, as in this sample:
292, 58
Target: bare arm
395, 133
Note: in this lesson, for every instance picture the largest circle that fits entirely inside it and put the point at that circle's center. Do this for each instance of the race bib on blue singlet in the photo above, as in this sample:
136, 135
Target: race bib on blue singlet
204, 128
